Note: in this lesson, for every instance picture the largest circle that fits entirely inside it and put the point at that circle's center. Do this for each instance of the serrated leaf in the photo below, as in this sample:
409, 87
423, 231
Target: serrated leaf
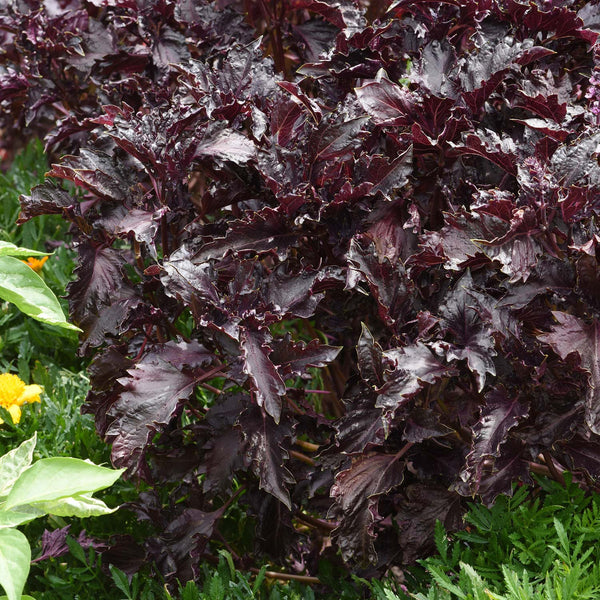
574, 335
265, 453
386, 102
151, 396
499, 415
355, 491
267, 383
336, 140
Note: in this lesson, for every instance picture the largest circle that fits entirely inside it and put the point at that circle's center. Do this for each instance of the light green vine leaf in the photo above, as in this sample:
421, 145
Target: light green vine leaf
15, 556
22, 286
8, 249
82, 506
50, 479
13, 463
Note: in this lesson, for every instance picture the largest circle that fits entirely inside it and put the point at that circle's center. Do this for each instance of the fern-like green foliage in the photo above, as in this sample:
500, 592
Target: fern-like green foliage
540, 544
225, 582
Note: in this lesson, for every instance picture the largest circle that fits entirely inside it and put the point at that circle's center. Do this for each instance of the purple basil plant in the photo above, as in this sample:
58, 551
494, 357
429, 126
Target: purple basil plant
338, 261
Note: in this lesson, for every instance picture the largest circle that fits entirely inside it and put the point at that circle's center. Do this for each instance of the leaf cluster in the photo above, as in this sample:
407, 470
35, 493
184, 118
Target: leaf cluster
522, 547
338, 265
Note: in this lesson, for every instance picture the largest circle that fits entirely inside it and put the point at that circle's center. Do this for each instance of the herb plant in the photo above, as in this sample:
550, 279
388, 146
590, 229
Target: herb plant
338, 263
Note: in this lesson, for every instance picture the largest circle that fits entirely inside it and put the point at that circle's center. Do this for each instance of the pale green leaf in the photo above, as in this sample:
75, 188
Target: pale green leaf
82, 505
54, 478
8, 249
22, 286
15, 556
24, 514
13, 463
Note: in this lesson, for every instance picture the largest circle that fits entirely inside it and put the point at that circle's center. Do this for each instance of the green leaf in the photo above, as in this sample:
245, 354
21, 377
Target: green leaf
259, 579
22, 286
80, 505
12, 518
22, 597
54, 478
441, 541
562, 535
445, 582
76, 550
120, 580
13, 463
15, 556
8, 249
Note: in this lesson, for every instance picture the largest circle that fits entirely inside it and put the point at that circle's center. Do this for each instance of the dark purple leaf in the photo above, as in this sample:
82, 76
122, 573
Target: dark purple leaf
97, 172
498, 151
423, 424
227, 145
419, 506
582, 454
574, 335
265, 380
387, 103
387, 281
389, 176
456, 240
143, 224
336, 140
46, 198
99, 278
331, 12
153, 393
290, 293
574, 163
302, 99
370, 358
546, 107
293, 358
412, 367
356, 491
471, 338
263, 231
184, 539
265, 453
184, 278
362, 429
286, 120
223, 458
499, 415
125, 553
316, 37
434, 67
510, 466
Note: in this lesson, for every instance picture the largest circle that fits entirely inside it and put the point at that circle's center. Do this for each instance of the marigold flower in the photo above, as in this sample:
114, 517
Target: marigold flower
36, 263
14, 393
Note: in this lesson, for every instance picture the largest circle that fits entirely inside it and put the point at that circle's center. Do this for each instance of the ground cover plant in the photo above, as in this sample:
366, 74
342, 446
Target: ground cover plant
541, 543
337, 263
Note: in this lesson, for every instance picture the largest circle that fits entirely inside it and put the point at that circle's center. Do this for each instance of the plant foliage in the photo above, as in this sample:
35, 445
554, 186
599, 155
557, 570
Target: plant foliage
522, 547
339, 258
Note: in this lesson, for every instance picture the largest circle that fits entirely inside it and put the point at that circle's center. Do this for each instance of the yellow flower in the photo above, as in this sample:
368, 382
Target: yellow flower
36, 263
14, 393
